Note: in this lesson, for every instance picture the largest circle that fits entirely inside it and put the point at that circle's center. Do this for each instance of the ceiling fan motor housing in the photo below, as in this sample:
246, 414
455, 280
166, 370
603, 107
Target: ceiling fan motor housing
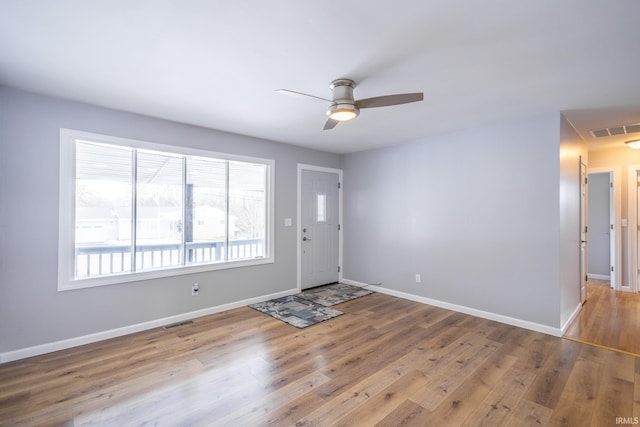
342, 99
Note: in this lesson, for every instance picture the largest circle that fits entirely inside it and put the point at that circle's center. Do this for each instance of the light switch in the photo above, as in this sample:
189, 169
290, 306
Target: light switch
288, 222
623, 222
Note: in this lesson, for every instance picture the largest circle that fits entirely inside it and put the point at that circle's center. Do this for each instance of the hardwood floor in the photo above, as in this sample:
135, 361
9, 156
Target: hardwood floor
609, 318
385, 362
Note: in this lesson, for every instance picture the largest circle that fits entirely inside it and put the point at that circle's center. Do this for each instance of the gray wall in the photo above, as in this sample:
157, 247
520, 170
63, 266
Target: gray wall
32, 311
476, 213
599, 224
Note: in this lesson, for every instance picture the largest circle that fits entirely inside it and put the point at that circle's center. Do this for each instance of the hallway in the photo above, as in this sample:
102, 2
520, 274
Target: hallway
608, 319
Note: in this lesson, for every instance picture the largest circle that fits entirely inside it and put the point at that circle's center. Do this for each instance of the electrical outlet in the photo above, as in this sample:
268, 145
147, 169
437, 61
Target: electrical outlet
418, 278
195, 289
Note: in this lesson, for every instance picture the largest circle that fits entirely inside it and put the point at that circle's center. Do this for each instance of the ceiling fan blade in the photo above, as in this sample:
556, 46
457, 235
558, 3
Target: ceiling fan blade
300, 95
330, 124
387, 100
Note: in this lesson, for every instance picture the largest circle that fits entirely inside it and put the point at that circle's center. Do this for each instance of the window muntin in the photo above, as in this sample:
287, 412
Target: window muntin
177, 210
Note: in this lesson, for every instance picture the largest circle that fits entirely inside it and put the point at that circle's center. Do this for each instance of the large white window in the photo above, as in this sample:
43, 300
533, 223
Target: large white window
133, 210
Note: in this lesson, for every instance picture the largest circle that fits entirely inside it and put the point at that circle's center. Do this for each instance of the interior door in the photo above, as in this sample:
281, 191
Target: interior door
319, 224
583, 231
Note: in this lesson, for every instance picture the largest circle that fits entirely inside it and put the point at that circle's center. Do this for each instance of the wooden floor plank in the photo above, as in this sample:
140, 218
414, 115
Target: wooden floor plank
386, 362
351, 398
611, 402
528, 414
386, 401
457, 407
256, 411
407, 414
454, 372
579, 395
297, 407
552, 377
499, 404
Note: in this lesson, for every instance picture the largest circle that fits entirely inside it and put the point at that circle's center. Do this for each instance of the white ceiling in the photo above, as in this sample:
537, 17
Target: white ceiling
217, 64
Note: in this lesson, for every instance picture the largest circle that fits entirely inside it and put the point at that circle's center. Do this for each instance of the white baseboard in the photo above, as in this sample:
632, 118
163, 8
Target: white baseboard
571, 318
598, 277
556, 332
99, 336
359, 284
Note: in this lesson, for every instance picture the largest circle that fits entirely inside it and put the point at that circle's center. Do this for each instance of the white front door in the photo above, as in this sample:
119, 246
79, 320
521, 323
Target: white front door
319, 228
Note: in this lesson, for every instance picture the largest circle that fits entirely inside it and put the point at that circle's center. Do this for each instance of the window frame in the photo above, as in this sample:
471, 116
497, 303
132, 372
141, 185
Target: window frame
66, 220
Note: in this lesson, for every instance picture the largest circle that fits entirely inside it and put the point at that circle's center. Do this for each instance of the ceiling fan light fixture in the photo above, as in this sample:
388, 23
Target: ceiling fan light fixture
344, 115
635, 144
343, 106
342, 112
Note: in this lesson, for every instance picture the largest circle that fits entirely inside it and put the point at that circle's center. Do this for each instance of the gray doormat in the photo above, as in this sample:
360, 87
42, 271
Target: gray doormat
311, 306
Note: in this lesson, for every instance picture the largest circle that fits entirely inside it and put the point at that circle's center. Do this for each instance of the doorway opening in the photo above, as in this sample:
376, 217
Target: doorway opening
604, 225
602, 236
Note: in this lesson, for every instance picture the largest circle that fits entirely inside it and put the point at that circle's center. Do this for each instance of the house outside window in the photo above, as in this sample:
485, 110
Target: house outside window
133, 210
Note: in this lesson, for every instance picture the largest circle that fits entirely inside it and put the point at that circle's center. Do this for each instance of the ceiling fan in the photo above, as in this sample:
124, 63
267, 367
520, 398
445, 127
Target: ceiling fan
344, 107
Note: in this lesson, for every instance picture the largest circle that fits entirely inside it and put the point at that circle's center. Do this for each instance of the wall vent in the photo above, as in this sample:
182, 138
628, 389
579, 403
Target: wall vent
175, 325
633, 128
616, 130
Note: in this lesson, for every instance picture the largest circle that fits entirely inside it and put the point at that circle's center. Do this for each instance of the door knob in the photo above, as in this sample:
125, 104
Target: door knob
305, 239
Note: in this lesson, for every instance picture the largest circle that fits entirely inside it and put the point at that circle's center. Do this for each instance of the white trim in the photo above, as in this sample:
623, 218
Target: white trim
66, 245
70, 135
583, 248
359, 284
556, 332
301, 167
632, 226
66, 208
158, 273
598, 277
571, 318
616, 177
37, 350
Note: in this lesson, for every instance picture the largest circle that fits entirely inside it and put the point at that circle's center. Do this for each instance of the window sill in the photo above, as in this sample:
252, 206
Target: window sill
91, 282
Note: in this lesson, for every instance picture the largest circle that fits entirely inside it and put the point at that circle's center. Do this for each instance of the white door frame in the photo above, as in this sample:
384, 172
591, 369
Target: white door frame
616, 202
584, 235
632, 213
301, 167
